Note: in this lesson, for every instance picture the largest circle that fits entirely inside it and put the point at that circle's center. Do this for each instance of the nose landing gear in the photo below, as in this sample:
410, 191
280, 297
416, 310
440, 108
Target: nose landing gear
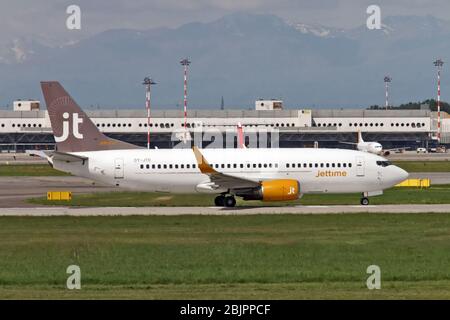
364, 201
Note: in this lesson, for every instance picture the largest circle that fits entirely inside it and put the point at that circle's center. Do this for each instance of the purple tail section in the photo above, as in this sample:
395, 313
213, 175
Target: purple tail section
72, 128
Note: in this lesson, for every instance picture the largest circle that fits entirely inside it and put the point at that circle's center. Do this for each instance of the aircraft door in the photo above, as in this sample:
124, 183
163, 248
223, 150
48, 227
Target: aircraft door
118, 168
360, 166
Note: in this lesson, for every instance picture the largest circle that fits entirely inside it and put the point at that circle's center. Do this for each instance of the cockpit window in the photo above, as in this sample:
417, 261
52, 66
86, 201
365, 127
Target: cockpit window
384, 163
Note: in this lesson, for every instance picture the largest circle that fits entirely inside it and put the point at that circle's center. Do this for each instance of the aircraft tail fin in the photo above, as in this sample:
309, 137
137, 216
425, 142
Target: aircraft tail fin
72, 128
360, 138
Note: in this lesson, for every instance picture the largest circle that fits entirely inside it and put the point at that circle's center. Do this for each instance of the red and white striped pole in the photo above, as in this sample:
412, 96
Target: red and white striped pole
185, 62
148, 82
387, 79
439, 63
439, 105
241, 143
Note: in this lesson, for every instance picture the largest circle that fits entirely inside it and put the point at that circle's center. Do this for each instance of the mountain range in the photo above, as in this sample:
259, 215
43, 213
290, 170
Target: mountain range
241, 57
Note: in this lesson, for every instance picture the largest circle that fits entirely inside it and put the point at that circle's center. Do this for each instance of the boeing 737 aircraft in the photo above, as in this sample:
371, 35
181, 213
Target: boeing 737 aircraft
253, 174
371, 146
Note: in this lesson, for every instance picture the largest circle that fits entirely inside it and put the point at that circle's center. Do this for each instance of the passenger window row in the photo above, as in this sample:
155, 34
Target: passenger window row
319, 165
213, 165
168, 166
248, 165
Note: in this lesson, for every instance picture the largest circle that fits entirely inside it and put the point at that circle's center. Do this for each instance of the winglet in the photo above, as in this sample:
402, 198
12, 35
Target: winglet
203, 165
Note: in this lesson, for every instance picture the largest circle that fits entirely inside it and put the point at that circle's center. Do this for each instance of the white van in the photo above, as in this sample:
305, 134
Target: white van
421, 150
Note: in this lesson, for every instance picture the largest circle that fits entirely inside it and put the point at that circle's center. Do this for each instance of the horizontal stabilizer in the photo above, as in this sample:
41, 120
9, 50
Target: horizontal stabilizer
67, 157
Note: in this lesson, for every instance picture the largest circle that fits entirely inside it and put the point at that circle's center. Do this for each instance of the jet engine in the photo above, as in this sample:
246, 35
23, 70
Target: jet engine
273, 190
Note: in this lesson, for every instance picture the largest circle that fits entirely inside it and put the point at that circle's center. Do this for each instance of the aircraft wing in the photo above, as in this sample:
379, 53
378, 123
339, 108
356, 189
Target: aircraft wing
395, 149
220, 180
345, 142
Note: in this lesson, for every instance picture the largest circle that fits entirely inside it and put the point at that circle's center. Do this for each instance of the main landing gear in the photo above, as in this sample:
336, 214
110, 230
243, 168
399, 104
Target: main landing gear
225, 201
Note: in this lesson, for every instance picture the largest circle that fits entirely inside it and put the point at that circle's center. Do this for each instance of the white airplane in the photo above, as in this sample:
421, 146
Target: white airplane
371, 146
253, 174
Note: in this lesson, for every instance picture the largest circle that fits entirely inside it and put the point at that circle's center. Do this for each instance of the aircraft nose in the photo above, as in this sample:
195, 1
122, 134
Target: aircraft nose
401, 174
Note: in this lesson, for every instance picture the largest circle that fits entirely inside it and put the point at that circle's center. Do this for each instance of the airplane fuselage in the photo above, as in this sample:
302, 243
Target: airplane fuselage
176, 170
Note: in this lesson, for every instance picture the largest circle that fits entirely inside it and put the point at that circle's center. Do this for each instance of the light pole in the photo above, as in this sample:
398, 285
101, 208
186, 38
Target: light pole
185, 63
148, 82
438, 63
387, 80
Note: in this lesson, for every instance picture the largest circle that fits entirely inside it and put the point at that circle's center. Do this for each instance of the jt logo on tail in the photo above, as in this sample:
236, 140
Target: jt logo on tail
76, 121
67, 120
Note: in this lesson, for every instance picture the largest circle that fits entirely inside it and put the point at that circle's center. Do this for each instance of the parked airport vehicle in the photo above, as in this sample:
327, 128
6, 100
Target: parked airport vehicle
250, 173
421, 150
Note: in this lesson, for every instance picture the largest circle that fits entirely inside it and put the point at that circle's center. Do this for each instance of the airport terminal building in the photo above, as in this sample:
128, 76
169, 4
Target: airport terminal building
28, 127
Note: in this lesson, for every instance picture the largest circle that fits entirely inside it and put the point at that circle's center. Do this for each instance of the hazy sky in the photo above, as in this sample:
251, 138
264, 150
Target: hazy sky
46, 19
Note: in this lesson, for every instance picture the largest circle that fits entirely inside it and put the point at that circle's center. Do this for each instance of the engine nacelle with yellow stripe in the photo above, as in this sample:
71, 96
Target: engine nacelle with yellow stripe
273, 190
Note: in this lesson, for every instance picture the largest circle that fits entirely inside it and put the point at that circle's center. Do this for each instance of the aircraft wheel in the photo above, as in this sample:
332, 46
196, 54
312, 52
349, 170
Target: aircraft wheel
364, 201
219, 201
230, 201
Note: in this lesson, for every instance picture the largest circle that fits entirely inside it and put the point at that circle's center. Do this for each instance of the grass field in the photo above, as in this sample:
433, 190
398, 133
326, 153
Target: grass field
434, 195
424, 166
227, 257
17, 170
46, 170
